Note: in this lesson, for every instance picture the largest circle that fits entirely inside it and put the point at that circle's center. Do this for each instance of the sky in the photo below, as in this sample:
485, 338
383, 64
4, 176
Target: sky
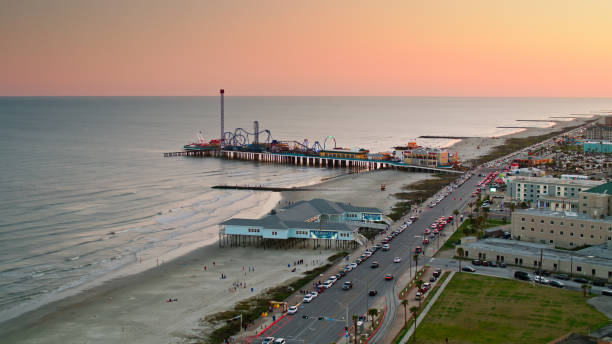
306, 48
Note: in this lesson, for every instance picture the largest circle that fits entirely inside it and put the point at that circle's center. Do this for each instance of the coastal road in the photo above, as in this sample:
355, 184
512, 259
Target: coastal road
333, 305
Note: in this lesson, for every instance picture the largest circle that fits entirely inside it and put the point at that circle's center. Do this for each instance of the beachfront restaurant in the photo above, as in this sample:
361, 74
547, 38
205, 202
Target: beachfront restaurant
270, 230
316, 223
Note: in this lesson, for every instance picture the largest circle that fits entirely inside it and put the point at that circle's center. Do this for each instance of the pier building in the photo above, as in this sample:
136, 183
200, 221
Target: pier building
316, 223
424, 156
345, 153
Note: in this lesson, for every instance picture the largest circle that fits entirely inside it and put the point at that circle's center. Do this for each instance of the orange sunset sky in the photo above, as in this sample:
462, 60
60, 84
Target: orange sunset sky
289, 47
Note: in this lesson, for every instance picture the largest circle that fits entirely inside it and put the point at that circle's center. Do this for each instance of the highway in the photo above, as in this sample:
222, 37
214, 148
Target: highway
333, 305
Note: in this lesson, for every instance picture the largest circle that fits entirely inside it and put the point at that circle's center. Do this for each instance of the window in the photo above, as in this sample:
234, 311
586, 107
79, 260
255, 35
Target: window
552, 232
571, 224
552, 222
523, 219
561, 223
274, 233
591, 236
541, 221
578, 268
571, 244
593, 272
581, 235
532, 229
523, 228
253, 230
582, 225
561, 233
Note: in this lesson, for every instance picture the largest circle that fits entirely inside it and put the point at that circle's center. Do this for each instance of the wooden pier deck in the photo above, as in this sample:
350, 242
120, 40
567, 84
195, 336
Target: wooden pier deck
310, 161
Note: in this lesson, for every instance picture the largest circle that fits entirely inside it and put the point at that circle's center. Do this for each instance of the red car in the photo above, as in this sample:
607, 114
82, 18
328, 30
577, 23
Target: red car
388, 277
418, 249
425, 241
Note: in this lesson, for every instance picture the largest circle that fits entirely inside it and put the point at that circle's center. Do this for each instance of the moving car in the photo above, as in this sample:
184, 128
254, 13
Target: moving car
372, 292
280, 341
522, 275
307, 298
418, 249
397, 260
556, 284
374, 265
268, 340
542, 280
292, 310
388, 277
347, 285
468, 269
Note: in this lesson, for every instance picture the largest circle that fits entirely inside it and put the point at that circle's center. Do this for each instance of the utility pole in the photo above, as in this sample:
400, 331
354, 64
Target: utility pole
541, 265
355, 321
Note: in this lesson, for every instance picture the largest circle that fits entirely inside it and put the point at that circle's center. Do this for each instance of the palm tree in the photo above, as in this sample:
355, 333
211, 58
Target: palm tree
485, 213
416, 263
405, 304
512, 207
415, 311
460, 254
372, 312
456, 219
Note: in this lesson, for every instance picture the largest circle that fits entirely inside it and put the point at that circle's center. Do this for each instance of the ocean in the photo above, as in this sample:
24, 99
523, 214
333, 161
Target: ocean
86, 194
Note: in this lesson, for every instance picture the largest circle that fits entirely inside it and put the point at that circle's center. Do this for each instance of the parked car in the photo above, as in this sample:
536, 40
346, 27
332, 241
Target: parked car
292, 310
372, 292
388, 277
599, 283
556, 284
493, 264
347, 285
268, 340
328, 284
307, 298
437, 272
476, 262
386, 247
418, 296
468, 269
418, 249
484, 263
502, 265
432, 279
314, 294
561, 277
280, 341
540, 279
580, 280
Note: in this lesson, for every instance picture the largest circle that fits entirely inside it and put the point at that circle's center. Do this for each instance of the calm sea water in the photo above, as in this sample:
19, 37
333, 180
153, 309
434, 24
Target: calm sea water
85, 191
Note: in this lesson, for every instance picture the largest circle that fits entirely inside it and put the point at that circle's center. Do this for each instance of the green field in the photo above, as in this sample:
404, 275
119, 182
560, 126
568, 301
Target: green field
481, 309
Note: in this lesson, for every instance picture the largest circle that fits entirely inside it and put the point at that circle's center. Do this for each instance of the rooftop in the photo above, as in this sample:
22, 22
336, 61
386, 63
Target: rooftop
605, 189
600, 255
551, 180
561, 214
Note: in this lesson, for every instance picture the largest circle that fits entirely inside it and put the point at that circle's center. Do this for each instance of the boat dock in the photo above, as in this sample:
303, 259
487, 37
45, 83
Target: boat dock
310, 161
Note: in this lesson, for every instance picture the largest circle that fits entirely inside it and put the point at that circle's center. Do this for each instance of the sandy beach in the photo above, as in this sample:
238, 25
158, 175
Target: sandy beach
473, 147
134, 309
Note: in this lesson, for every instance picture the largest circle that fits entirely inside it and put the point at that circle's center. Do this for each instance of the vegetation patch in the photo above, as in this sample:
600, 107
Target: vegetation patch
482, 309
418, 192
471, 227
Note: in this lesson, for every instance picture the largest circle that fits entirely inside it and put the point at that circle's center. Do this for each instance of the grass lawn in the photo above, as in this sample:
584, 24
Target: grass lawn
482, 309
460, 232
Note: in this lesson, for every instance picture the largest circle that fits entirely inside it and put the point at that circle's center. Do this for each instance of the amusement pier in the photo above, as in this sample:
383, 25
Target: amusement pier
259, 146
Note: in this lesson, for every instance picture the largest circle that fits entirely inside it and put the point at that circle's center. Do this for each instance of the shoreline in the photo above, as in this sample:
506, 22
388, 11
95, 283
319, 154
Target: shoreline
60, 316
